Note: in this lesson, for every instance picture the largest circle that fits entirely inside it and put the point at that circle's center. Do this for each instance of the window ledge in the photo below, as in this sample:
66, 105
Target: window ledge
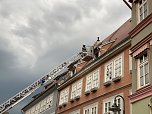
116, 79
72, 100
60, 106
87, 93
94, 89
107, 83
64, 104
107, 113
77, 97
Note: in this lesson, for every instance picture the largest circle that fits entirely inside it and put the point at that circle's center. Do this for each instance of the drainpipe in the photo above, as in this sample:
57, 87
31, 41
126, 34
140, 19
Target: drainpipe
127, 4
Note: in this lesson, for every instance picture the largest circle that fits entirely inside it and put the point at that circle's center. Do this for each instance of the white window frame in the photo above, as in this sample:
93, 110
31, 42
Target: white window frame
138, 71
109, 78
110, 101
76, 89
79, 87
141, 7
113, 63
64, 96
88, 82
75, 112
41, 106
90, 107
91, 82
119, 57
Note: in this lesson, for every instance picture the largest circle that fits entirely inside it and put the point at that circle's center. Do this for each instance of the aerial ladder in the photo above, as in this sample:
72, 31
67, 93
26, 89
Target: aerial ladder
37, 84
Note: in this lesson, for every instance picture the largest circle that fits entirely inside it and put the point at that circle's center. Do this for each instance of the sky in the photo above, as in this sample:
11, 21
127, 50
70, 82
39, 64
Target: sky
37, 35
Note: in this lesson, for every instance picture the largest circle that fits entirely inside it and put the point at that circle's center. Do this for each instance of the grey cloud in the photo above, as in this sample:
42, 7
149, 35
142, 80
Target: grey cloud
38, 35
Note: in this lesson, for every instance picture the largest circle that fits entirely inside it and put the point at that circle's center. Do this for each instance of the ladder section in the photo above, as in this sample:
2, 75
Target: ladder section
34, 86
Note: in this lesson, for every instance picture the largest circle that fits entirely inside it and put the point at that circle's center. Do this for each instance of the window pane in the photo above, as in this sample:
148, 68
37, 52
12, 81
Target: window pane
89, 81
146, 74
108, 70
140, 2
141, 81
118, 67
73, 91
106, 107
95, 82
109, 105
141, 59
79, 87
146, 57
145, 10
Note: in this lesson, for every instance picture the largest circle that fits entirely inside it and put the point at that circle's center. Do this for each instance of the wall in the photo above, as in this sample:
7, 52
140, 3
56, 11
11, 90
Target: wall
142, 34
135, 12
103, 92
141, 107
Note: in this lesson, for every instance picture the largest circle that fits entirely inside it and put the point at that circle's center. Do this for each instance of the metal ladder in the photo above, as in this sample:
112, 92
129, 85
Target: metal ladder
34, 86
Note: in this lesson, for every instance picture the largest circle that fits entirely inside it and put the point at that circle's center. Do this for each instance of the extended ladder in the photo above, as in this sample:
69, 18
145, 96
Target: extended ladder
34, 86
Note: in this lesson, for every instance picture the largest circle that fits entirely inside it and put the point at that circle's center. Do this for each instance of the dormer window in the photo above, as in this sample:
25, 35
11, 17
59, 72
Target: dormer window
142, 9
72, 72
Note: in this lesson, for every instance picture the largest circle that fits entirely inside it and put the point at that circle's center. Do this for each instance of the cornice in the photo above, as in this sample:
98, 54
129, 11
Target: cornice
141, 43
141, 25
141, 94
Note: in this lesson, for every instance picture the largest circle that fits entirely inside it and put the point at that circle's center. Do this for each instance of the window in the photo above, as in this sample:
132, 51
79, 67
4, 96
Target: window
108, 72
92, 80
91, 109
143, 9
40, 106
64, 96
143, 71
107, 103
107, 106
88, 82
76, 89
113, 69
75, 112
118, 67
73, 93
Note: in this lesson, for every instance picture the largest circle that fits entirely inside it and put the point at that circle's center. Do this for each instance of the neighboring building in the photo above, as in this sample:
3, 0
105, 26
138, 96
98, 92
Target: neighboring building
46, 102
101, 76
141, 51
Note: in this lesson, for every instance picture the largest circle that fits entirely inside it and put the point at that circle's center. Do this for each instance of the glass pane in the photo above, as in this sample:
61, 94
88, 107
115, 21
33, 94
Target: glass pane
146, 74
106, 107
141, 71
146, 68
109, 105
146, 57
145, 6
141, 59
141, 81
140, 2
145, 13
146, 79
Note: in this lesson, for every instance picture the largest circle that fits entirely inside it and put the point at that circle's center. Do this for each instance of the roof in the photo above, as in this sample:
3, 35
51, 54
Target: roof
117, 38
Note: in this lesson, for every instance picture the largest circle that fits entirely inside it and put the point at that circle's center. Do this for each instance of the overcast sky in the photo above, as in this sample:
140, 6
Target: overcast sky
37, 35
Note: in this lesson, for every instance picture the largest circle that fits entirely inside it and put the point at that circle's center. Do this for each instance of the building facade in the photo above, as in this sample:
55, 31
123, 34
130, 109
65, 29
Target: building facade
101, 77
43, 103
46, 101
141, 51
